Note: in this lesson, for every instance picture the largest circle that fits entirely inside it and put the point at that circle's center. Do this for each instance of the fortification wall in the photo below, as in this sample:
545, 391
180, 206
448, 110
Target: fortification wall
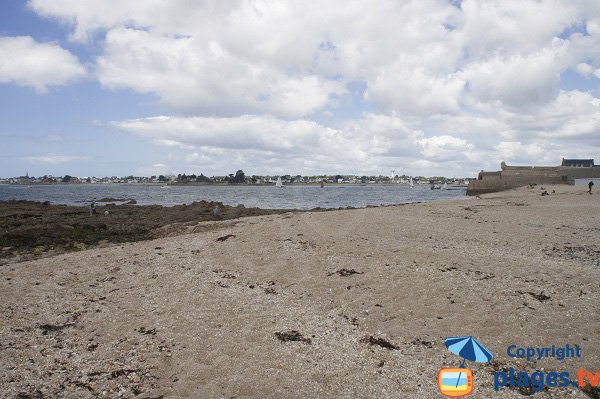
495, 184
518, 176
532, 173
579, 173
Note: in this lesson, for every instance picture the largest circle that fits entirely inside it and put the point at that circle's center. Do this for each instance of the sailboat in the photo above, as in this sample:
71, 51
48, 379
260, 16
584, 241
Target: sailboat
279, 183
445, 187
412, 184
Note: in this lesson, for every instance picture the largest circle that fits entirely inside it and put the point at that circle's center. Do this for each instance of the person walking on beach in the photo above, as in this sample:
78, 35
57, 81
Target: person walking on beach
590, 185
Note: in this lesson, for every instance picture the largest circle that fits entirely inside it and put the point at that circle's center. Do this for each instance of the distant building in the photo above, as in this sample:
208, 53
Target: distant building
578, 163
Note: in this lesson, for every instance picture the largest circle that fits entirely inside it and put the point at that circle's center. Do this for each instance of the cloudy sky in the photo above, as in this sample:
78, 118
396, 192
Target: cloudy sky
423, 87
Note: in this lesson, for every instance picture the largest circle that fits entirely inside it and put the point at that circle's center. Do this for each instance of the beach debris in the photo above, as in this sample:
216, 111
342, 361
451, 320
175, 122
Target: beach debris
482, 275
379, 342
37, 394
144, 331
292, 335
447, 269
526, 306
418, 341
92, 347
225, 237
525, 390
592, 392
46, 328
496, 365
345, 272
540, 297
578, 253
353, 320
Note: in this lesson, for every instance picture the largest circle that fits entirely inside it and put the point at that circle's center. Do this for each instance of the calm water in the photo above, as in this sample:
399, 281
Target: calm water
289, 197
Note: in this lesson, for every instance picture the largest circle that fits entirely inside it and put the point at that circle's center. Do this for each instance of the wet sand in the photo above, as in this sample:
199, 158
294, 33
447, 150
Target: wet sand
341, 304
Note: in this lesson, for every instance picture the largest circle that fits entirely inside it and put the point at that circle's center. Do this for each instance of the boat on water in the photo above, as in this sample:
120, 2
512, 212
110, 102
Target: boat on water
279, 183
412, 183
434, 187
445, 186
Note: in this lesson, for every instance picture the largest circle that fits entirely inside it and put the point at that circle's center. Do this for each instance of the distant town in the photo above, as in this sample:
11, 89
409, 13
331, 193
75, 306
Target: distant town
235, 178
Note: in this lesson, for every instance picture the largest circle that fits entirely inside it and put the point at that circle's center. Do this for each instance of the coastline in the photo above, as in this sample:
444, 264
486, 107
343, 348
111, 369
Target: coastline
33, 230
198, 315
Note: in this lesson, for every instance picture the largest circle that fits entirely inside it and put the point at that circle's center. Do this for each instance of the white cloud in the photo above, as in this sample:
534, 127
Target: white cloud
449, 88
584, 69
517, 81
444, 148
515, 150
514, 27
54, 159
206, 77
289, 59
364, 144
244, 132
25, 62
416, 91
172, 143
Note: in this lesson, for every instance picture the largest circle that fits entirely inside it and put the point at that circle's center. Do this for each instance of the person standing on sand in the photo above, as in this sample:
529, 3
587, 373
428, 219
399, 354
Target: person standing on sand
590, 185
92, 208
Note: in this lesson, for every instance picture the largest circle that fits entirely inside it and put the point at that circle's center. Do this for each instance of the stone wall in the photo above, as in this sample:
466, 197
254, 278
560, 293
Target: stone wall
519, 176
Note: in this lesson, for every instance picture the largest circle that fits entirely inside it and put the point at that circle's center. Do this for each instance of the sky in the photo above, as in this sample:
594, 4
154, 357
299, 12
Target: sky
423, 87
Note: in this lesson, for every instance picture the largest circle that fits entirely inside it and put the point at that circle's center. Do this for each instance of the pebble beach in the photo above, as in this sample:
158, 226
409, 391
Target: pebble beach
340, 304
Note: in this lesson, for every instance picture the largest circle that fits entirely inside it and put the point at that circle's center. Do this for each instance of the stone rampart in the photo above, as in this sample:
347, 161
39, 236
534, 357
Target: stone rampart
518, 176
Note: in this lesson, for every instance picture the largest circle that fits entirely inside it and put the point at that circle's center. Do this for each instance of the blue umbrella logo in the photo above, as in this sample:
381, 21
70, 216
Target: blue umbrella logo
469, 349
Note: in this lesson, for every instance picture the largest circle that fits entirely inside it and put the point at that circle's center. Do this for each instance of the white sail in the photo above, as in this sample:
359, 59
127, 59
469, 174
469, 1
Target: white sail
412, 184
279, 183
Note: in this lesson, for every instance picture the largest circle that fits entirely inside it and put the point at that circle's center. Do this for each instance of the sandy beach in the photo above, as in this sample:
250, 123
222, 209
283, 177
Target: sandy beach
341, 304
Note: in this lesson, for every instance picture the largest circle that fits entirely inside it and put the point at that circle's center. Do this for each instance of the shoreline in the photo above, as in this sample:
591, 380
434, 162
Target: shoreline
134, 223
297, 304
150, 184
34, 230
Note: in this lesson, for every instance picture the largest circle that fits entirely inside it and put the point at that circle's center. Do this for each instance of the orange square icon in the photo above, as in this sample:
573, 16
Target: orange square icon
455, 382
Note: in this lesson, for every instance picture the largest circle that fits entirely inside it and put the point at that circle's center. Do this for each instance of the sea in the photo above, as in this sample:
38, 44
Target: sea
266, 197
